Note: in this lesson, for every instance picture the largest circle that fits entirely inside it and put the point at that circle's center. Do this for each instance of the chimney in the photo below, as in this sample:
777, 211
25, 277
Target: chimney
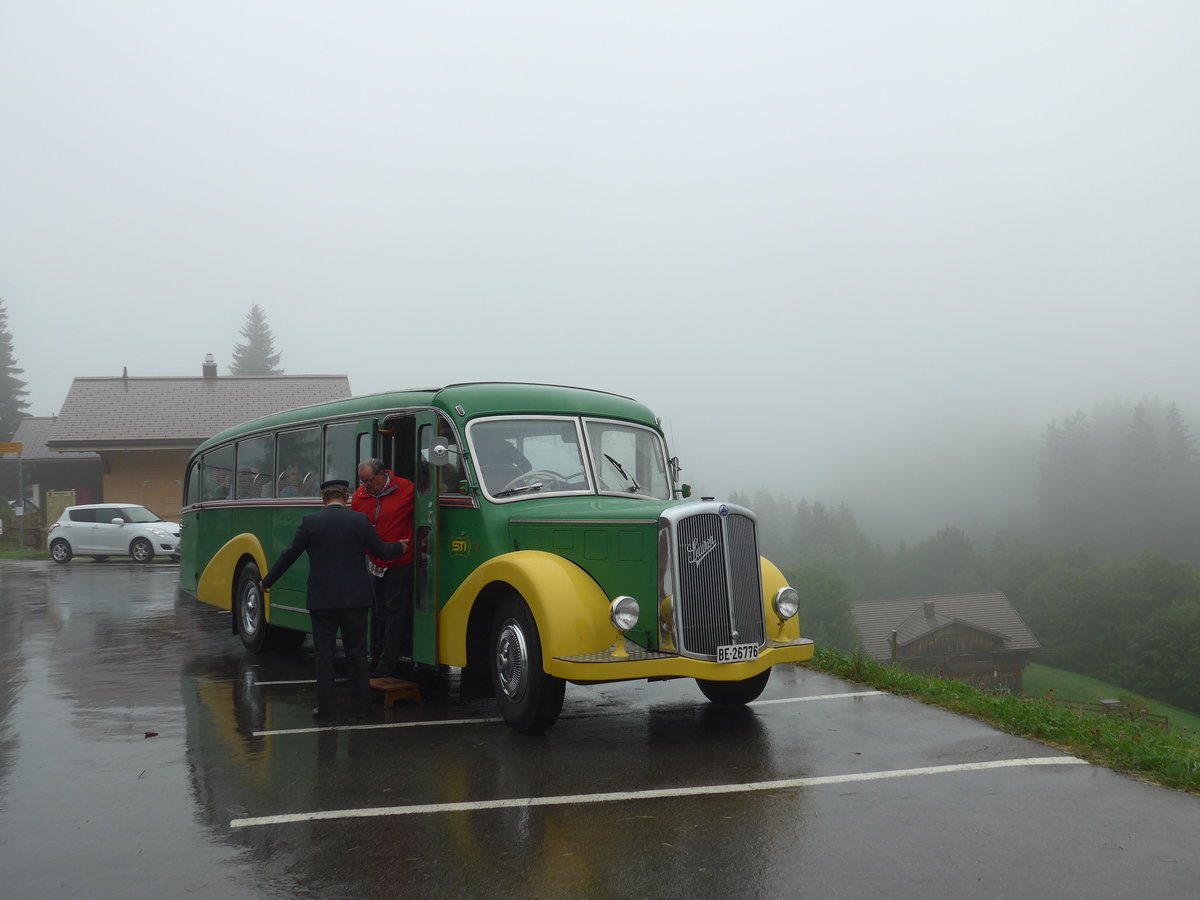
210, 366
929, 609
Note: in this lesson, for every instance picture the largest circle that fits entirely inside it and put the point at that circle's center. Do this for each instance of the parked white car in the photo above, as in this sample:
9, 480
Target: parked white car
101, 530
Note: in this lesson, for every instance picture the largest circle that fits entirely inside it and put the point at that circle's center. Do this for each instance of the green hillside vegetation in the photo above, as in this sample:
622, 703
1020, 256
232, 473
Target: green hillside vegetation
1040, 680
1169, 757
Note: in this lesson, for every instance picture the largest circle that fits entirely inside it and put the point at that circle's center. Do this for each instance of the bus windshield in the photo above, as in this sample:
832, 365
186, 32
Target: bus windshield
525, 456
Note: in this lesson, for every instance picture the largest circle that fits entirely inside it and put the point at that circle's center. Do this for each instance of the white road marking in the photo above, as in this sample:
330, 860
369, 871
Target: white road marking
819, 697
368, 725
662, 793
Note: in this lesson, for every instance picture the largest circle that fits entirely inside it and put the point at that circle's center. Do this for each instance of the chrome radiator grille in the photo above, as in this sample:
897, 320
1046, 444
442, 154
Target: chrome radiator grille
718, 583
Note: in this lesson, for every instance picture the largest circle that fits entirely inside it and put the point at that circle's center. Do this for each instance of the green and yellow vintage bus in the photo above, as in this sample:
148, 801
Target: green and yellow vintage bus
554, 542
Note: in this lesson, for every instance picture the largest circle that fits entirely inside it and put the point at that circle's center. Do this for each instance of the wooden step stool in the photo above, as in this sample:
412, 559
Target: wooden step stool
394, 689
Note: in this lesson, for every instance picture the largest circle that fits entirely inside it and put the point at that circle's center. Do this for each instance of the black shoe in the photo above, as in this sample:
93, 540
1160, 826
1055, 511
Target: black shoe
383, 669
322, 719
362, 716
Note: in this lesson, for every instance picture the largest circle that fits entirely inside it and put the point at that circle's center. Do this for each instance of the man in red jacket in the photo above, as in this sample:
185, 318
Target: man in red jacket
387, 500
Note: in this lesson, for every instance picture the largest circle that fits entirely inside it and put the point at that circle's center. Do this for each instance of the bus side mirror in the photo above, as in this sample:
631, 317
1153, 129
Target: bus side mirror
685, 491
439, 452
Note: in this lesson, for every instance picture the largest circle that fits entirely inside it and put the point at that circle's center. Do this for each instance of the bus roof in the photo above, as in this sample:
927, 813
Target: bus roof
474, 399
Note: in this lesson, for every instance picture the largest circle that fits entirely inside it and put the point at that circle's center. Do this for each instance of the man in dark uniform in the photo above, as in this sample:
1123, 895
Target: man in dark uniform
337, 541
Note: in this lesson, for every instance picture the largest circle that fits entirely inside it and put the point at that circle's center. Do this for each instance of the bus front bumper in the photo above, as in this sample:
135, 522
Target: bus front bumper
626, 661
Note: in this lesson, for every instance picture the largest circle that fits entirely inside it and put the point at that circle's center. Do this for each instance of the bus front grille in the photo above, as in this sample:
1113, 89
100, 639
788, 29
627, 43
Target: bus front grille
718, 597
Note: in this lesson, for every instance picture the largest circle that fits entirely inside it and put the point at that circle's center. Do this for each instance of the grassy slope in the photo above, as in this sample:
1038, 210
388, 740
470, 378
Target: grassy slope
1039, 680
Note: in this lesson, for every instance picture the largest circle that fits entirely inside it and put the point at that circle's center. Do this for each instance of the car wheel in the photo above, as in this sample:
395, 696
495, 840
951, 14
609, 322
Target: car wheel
529, 699
141, 550
60, 551
99, 558
734, 693
248, 607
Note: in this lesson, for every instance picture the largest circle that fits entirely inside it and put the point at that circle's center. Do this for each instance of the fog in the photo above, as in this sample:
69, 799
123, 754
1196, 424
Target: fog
858, 252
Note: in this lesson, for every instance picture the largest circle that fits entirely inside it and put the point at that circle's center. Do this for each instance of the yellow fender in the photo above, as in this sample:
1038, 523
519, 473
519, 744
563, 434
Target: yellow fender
772, 581
570, 609
214, 584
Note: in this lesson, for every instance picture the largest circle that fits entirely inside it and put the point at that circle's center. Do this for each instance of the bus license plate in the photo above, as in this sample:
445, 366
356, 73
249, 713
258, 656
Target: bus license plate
731, 653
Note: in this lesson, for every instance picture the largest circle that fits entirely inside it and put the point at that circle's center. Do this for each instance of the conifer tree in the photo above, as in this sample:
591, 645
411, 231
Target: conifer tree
257, 356
12, 388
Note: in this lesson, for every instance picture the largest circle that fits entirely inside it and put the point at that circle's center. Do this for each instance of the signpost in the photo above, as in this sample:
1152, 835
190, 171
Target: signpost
16, 447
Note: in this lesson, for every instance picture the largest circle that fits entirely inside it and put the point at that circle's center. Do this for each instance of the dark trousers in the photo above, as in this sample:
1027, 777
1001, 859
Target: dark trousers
353, 625
393, 607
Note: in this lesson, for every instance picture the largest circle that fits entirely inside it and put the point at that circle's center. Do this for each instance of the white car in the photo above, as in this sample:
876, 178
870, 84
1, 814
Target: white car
101, 530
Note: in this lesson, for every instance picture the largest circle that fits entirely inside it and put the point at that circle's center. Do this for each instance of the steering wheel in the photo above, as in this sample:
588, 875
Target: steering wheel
528, 477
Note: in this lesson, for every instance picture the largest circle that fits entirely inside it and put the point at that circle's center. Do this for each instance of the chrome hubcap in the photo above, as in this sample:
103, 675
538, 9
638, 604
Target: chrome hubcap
511, 660
250, 609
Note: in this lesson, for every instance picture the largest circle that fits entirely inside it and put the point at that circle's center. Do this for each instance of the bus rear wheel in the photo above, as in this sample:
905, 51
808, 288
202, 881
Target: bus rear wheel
734, 693
248, 608
529, 699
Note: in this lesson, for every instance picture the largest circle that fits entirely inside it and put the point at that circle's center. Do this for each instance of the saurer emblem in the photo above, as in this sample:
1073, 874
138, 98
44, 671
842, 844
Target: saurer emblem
697, 549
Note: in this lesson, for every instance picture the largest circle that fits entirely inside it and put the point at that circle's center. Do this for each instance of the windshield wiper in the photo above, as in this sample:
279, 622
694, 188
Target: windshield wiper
536, 486
636, 487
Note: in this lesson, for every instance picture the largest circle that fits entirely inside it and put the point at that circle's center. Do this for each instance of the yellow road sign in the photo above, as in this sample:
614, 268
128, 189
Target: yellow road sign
11, 447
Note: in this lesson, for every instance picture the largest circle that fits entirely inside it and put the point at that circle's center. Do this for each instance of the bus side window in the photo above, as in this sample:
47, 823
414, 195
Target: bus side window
298, 472
192, 489
218, 473
340, 443
255, 456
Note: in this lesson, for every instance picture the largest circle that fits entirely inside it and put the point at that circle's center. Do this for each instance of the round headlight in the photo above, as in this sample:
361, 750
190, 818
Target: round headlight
787, 602
624, 613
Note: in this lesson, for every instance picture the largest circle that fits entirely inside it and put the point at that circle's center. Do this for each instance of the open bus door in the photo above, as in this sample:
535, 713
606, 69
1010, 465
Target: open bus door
425, 513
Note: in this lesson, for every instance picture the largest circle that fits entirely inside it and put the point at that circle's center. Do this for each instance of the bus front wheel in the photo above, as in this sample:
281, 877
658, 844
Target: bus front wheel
529, 699
734, 693
248, 607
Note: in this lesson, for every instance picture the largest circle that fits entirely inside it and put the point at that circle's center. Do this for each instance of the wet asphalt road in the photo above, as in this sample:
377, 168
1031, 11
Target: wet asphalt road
143, 754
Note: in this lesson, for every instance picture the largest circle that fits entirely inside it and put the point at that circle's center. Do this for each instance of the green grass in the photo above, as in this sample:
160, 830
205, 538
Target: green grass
1039, 680
14, 553
1170, 757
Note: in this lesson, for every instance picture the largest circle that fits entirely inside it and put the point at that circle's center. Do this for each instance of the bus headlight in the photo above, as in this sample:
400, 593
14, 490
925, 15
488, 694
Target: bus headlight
624, 613
786, 603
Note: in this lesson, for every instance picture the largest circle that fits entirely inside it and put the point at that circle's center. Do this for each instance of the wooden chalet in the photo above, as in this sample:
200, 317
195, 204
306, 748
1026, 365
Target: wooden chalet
977, 638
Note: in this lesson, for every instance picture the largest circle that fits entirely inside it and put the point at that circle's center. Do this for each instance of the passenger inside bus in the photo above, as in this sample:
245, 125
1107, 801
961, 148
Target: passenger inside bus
500, 462
291, 481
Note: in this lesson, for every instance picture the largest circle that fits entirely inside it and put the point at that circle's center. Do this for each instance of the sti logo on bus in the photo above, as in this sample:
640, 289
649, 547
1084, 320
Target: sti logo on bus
697, 550
460, 546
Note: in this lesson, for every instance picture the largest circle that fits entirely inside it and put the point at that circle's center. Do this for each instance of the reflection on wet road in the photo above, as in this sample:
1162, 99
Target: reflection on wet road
142, 753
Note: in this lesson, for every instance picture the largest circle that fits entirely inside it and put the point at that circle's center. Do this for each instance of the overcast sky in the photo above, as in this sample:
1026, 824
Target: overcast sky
807, 234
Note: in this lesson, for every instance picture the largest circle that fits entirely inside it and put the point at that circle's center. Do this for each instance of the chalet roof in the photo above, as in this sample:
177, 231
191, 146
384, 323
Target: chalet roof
168, 413
33, 432
912, 619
